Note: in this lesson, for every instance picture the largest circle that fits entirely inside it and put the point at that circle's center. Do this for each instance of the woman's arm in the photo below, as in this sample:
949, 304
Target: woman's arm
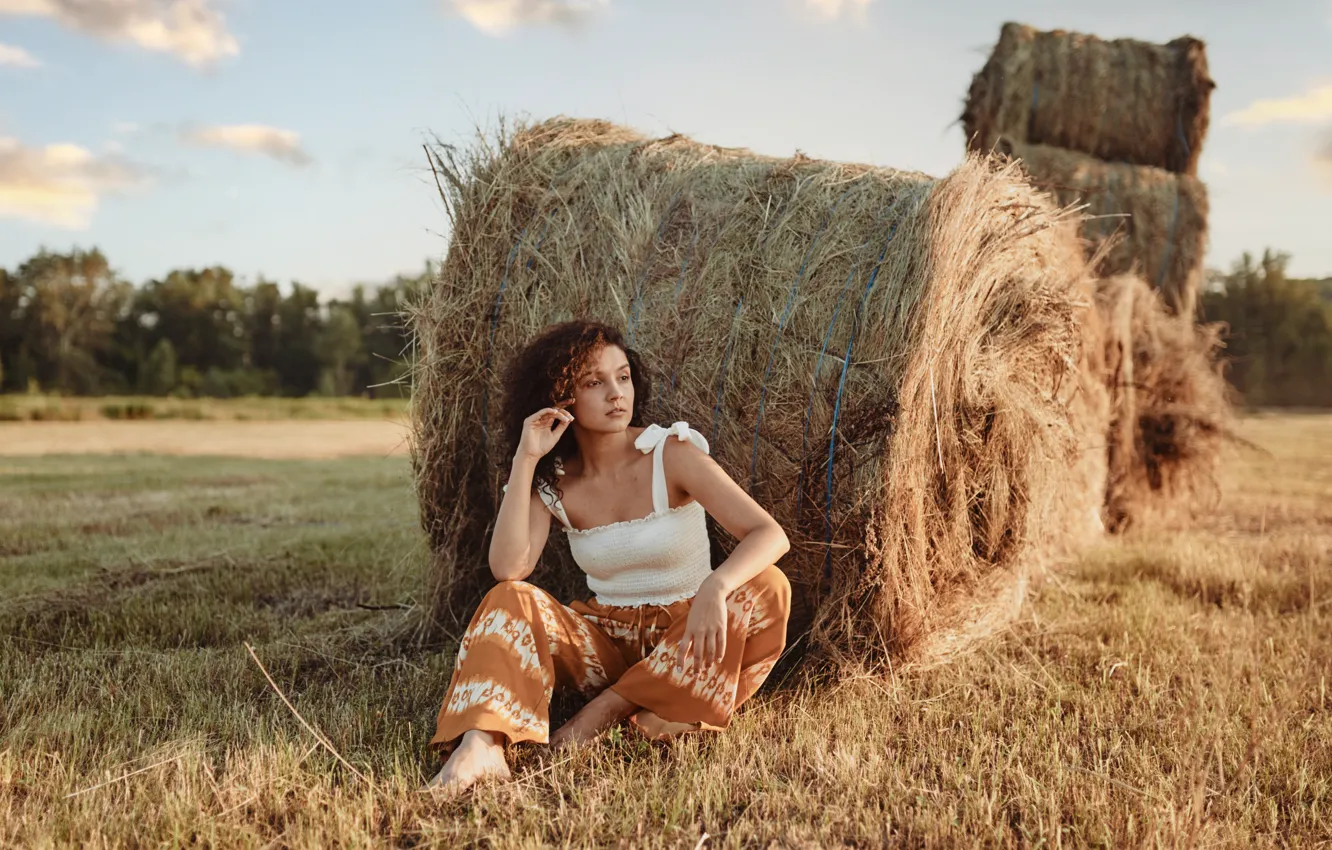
761, 543
523, 523
521, 528
761, 540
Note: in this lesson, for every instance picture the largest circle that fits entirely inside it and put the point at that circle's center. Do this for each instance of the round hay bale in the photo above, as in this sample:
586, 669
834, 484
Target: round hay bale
1139, 220
893, 365
1121, 100
1170, 406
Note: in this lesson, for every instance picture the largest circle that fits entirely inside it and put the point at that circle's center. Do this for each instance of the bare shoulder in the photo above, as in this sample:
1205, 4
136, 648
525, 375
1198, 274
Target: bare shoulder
684, 458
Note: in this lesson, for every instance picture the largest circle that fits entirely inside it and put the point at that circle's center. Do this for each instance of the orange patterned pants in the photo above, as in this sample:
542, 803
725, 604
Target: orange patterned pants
522, 644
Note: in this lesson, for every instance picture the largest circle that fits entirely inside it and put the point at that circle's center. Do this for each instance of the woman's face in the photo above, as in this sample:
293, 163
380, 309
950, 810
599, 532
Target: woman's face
603, 396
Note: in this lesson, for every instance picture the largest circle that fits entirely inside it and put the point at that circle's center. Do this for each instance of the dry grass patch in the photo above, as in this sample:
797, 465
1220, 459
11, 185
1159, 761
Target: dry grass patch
36, 407
269, 439
1166, 689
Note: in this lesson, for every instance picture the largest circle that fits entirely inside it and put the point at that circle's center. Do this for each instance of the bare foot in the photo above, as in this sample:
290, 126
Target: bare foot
657, 729
479, 755
603, 712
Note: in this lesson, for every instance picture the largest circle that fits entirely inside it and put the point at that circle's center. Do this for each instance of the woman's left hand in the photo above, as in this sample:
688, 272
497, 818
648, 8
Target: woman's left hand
704, 638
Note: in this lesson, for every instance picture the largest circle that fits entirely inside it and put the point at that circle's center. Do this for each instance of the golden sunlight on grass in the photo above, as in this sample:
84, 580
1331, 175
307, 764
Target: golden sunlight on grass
1168, 688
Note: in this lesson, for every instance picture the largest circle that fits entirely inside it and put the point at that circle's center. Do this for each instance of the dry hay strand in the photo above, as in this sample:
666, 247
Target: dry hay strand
1171, 411
890, 364
1121, 101
1141, 221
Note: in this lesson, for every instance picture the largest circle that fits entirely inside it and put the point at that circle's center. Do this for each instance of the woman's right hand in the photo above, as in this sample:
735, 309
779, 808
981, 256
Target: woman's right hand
542, 430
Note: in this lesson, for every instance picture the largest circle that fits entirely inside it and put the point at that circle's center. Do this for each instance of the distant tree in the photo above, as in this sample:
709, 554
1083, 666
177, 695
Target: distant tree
202, 312
297, 361
69, 305
338, 346
157, 376
11, 337
1280, 332
263, 325
69, 324
1323, 287
383, 358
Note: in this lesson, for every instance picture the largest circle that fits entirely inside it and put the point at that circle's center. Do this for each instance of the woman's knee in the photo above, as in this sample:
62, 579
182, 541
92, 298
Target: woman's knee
512, 594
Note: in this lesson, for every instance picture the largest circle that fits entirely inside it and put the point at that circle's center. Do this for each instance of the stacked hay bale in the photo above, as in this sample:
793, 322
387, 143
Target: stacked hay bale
1138, 219
1119, 101
1115, 125
898, 368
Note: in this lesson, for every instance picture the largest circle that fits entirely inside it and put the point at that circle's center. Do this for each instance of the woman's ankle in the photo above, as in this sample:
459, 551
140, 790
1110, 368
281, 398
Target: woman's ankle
482, 738
603, 712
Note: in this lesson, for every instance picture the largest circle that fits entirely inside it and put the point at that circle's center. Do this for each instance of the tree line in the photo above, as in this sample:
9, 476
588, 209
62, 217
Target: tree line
1279, 331
70, 325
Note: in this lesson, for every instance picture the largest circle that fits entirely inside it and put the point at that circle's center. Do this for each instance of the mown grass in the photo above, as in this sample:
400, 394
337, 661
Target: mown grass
54, 408
1166, 689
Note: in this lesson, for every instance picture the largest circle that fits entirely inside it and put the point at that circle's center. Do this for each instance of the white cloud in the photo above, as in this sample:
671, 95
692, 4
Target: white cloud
498, 17
282, 145
60, 184
834, 9
1312, 107
190, 30
17, 57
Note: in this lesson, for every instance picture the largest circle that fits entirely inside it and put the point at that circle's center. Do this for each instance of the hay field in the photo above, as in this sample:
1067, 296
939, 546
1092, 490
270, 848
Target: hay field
1164, 689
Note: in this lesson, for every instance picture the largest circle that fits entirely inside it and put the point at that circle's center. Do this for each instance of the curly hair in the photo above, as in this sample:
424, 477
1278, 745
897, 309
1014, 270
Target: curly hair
546, 370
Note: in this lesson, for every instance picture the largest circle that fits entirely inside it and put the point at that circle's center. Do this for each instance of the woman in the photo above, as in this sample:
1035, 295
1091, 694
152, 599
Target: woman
666, 641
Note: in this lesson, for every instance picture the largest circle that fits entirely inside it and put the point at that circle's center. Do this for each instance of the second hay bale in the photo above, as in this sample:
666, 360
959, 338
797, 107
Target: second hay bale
1139, 220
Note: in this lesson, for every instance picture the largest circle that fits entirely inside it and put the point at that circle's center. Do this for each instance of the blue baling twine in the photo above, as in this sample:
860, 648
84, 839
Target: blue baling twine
781, 327
1170, 239
837, 410
721, 379
647, 267
1183, 140
818, 363
813, 390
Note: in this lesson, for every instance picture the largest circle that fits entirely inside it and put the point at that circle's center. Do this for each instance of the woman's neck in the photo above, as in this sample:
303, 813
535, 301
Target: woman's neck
601, 453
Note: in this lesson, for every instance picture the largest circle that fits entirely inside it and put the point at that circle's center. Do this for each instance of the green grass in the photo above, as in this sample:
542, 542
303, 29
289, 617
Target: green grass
1166, 689
53, 408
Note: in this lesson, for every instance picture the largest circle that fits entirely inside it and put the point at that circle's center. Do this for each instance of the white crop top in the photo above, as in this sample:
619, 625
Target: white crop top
654, 560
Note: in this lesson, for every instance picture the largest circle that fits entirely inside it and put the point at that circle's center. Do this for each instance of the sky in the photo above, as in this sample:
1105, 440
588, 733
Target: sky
284, 138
